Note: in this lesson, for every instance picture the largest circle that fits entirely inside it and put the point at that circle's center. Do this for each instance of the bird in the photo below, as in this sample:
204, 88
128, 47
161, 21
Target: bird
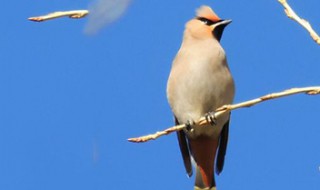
199, 82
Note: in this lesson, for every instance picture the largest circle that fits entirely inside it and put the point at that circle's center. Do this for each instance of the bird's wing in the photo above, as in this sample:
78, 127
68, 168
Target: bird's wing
223, 142
184, 149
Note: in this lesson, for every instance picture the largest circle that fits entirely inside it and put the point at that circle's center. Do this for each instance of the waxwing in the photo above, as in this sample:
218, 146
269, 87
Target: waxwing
200, 81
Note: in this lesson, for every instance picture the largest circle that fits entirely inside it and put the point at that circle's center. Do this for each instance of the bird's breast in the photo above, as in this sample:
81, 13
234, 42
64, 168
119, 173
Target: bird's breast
198, 84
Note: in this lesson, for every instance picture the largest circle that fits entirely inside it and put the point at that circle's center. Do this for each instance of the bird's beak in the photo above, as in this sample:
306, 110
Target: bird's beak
226, 22
221, 23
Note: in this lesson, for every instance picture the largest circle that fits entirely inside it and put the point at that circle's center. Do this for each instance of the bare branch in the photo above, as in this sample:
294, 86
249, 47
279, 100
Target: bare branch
292, 15
227, 108
71, 14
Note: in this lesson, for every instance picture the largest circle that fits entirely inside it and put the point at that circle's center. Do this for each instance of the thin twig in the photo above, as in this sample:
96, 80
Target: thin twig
292, 15
227, 108
71, 14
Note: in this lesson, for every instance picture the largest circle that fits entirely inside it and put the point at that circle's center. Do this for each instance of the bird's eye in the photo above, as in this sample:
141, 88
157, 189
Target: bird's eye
205, 21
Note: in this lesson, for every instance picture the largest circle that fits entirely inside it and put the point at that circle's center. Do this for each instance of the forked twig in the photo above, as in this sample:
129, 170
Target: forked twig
292, 15
71, 14
227, 108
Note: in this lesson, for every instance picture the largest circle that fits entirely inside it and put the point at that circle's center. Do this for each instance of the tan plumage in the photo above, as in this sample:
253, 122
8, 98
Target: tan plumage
200, 82
207, 12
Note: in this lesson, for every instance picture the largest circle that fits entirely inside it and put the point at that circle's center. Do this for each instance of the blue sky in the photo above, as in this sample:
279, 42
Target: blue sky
69, 101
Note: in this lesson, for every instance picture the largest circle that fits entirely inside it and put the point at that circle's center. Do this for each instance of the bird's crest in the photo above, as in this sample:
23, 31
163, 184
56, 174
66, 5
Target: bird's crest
207, 12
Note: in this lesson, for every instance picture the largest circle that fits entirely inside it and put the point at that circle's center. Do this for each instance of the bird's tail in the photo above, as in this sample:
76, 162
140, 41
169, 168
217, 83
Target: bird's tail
200, 183
204, 151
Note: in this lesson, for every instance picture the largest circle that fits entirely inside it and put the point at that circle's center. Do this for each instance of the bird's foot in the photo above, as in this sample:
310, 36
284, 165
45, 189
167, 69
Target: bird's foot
189, 125
211, 118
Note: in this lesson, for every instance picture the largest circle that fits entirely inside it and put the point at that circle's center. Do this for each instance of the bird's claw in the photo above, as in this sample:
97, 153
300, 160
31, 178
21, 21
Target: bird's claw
211, 118
189, 125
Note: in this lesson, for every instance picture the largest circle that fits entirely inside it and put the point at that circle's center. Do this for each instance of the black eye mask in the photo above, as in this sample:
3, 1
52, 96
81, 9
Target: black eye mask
207, 21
